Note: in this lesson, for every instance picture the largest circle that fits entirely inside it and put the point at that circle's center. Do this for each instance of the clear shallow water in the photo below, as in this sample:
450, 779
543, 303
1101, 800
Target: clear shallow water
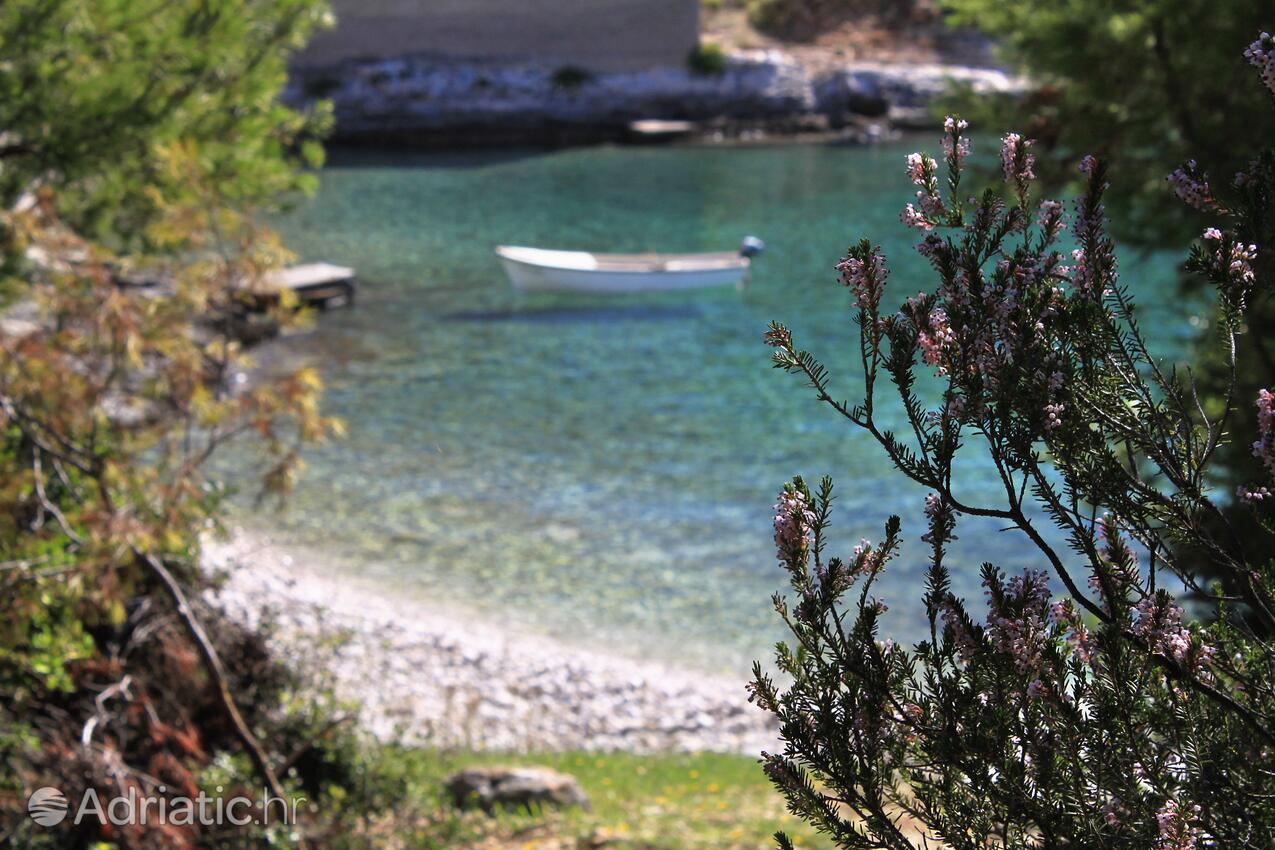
603, 468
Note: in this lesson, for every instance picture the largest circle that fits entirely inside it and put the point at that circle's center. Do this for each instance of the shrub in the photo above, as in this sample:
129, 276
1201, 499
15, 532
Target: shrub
139, 146
778, 17
709, 59
111, 406
803, 20
1099, 718
571, 77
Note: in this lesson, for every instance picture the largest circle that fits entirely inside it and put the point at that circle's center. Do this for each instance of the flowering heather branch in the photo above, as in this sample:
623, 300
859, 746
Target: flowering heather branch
1261, 54
956, 146
1017, 162
863, 270
1192, 188
1263, 447
1175, 825
929, 211
1101, 717
1159, 622
794, 526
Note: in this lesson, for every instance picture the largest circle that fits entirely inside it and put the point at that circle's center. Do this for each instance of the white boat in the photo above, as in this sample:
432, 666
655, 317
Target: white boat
538, 269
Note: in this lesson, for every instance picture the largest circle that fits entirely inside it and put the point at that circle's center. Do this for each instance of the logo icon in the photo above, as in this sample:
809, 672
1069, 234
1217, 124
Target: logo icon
47, 806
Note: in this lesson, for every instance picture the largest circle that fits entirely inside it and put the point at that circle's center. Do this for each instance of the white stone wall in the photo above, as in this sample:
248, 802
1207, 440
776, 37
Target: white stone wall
601, 35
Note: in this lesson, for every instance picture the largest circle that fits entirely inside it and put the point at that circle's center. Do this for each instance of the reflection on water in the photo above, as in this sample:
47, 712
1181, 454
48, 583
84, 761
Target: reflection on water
604, 469
582, 313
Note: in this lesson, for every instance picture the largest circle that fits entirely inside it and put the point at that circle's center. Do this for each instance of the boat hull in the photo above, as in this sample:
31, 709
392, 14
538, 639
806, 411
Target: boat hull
527, 276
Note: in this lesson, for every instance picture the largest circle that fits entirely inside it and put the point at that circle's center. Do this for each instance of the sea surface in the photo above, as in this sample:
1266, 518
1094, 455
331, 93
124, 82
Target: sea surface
602, 469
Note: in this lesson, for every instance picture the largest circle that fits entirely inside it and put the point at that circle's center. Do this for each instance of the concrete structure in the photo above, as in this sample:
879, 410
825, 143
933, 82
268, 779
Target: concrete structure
599, 35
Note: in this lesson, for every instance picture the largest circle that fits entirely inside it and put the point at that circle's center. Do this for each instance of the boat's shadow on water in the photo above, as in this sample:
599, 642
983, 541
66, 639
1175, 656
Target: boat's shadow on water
581, 313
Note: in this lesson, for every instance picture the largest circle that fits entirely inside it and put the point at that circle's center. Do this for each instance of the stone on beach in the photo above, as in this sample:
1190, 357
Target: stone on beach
491, 788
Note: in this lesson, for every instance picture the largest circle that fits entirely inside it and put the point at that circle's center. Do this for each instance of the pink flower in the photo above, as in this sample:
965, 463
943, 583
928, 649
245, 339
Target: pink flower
956, 147
930, 246
929, 209
936, 339
1051, 218
1261, 55
1016, 162
1175, 829
1265, 410
1192, 187
794, 526
1252, 496
1264, 448
952, 619
866, 558
932, 505
777, 337
921, 168
1053, 416
1016, 619
942, 521
1159, 622
865, 276
1063, 614
1212, 234
931, 205
1240, 264
912, 217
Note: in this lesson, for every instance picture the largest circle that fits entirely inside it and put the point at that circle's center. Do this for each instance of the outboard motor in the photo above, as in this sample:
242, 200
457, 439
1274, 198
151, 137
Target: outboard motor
751, 246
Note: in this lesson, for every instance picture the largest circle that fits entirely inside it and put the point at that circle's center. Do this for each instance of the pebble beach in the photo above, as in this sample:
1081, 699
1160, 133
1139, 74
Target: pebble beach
426, 675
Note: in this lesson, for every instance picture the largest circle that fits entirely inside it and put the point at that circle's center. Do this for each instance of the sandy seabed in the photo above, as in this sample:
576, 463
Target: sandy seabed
428, 675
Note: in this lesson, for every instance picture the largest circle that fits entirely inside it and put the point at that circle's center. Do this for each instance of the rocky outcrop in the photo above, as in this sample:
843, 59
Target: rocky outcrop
492, 788
903, 92
427, 99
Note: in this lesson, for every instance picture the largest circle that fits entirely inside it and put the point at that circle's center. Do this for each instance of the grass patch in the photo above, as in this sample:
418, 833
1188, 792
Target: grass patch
699, 801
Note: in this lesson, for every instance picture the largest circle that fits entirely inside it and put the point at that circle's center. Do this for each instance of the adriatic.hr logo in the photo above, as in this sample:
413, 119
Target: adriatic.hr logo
47, 806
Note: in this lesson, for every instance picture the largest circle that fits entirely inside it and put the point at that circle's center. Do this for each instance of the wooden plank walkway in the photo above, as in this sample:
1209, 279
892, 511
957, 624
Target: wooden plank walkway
653, 130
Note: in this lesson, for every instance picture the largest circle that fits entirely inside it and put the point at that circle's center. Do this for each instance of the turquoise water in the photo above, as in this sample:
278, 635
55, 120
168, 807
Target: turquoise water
603, 468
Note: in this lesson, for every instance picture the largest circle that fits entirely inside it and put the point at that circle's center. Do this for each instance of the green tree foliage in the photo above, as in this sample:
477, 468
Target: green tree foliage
91, 89
138, 141
1080, 708
1145, 84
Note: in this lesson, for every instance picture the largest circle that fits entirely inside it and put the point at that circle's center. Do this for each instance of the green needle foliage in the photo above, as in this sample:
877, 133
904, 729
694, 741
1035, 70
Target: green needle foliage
1098, 717
89, 89
1147, 86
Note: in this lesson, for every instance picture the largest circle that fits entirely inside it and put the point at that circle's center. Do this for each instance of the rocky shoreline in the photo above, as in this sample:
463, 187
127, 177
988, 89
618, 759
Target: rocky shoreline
432, 676
433, 101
